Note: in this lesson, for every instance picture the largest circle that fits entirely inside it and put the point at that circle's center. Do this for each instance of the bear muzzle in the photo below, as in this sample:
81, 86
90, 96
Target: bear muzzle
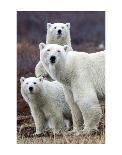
52, 59
30, 89
59, 32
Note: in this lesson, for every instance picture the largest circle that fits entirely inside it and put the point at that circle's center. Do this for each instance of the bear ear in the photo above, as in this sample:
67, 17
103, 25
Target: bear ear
22, 79
68, 25
48, 25
66, 48
41, 46
40, 78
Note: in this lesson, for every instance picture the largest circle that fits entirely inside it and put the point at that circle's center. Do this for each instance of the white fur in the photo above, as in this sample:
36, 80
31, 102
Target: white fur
53, 38
83, 78
47, 104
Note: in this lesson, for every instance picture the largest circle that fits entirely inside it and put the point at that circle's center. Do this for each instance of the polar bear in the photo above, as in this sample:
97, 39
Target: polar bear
47, 103
83, 79
57, 33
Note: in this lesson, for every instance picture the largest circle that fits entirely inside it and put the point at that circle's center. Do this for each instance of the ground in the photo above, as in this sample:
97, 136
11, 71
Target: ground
97, 139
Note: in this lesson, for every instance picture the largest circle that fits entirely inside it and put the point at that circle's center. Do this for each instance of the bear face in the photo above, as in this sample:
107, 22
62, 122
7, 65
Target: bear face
31, 85
52, 53
58, 30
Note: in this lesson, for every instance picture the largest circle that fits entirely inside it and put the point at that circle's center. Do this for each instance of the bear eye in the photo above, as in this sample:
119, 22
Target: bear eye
62, 27
26, 82
55, 27
34, 82
58, 51
48, 49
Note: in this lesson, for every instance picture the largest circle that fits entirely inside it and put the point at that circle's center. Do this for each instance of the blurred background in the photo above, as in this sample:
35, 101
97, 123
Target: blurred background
87, 34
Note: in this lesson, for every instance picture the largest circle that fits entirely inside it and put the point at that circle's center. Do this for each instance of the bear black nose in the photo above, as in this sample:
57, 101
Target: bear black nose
59, 31
52, 59
31, 88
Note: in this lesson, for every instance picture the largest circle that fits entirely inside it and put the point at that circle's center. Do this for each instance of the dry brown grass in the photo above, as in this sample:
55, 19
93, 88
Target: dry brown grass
87, 139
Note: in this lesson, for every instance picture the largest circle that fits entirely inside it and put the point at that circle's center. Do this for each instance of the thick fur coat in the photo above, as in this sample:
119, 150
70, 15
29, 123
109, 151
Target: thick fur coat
83, 79
47, 104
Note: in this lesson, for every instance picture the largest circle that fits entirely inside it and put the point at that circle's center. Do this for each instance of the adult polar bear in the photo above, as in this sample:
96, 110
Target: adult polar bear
57, 33
83, 79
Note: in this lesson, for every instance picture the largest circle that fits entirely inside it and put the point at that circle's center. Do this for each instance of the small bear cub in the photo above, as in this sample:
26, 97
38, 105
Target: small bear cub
47, 104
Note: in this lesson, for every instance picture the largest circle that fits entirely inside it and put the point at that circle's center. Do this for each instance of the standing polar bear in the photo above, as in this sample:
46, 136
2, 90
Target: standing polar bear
47, 103
57, 33
83, 79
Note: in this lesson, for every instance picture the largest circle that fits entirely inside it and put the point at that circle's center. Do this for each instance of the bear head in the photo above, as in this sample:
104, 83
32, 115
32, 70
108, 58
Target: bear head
31, 85
58, 30
52, 53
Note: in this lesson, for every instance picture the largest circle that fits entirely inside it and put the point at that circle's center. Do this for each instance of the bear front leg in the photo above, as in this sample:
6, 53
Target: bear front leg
91, 112
86, 98
76, 113
40, 122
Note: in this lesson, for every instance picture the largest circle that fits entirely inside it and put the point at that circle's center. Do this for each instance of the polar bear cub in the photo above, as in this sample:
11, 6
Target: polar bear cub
47, 103
57, 33
83, 79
